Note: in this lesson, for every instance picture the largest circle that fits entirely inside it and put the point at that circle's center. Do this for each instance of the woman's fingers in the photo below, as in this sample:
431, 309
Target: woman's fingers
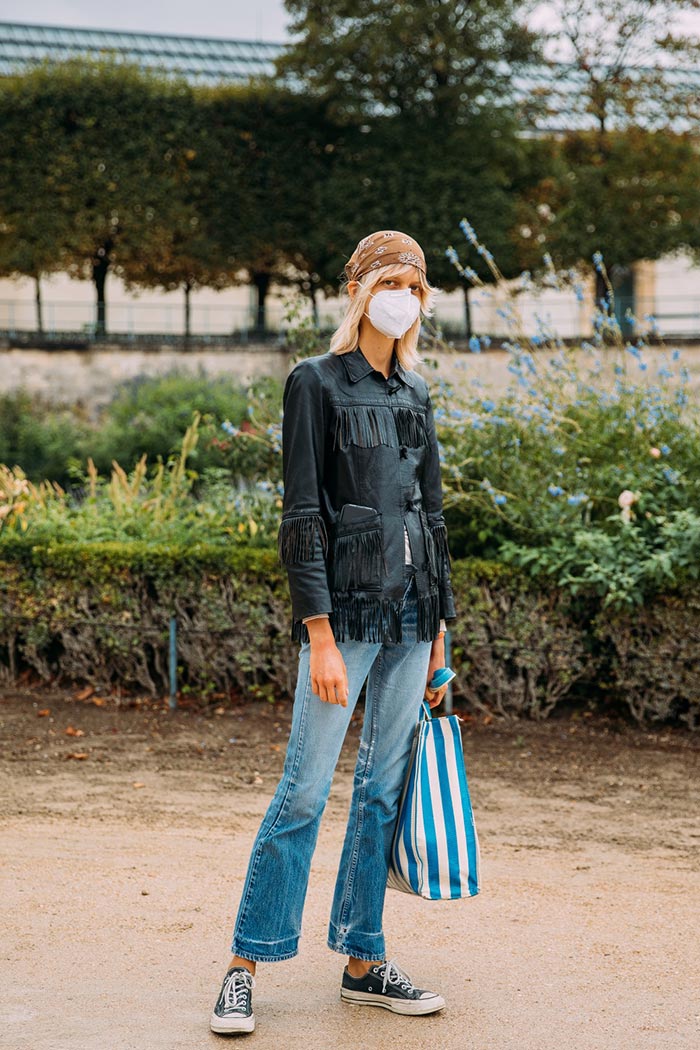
435, 696
331, 690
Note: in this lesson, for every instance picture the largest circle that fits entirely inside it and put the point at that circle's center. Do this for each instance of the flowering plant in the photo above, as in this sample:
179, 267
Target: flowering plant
587, 460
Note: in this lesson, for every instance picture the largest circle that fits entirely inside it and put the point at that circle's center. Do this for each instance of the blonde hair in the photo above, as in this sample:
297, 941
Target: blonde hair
346, 336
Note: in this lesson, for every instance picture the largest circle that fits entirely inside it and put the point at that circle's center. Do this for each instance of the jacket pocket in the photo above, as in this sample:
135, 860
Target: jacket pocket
357, 553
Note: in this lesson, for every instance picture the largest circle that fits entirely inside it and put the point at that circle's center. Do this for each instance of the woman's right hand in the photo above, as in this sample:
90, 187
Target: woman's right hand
329, 676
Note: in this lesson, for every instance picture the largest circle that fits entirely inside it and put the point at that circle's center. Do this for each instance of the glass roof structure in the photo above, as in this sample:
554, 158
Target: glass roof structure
201, 59
551, 98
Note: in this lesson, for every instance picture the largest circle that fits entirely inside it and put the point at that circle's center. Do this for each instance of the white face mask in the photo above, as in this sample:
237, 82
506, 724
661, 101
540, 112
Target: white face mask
393, 311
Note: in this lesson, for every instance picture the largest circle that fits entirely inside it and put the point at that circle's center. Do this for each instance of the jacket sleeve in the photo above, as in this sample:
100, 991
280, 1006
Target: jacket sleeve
431, 488
302, 541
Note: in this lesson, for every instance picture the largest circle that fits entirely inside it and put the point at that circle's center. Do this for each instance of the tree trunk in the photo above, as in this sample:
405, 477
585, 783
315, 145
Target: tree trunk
314, 305
188, 313
100, 268
261, 282
39, 304
467, 312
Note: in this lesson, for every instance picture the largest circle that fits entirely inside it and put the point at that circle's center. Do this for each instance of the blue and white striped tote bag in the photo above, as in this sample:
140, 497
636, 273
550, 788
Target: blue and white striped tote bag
435, 852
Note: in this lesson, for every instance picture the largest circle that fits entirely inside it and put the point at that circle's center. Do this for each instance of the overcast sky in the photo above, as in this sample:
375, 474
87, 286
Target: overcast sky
233, 19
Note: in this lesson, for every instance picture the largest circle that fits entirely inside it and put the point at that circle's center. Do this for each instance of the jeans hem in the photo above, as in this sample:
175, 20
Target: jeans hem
256, 956
344, 946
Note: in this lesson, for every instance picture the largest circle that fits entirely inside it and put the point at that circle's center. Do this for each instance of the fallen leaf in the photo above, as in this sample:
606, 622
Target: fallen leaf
85, 693
72, 731
274, 747
42, 714
78, 755
98, 701
138, 784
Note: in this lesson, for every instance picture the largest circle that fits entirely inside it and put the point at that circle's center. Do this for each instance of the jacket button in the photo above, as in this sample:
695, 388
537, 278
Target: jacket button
404, 452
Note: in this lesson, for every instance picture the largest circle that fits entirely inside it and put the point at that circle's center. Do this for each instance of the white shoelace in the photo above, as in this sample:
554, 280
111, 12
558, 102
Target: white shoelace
235, 989
393, 975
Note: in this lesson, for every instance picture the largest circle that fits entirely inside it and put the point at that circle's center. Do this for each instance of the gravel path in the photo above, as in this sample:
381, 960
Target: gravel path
118, 899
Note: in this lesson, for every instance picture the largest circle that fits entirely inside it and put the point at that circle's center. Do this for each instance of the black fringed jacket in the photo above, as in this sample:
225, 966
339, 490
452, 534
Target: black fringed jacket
352, 436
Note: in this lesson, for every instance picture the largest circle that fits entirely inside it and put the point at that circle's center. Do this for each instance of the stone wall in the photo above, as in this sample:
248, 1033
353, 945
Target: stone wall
92, 376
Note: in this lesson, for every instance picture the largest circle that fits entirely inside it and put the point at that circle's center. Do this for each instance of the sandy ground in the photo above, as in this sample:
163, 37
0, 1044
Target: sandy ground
122, 869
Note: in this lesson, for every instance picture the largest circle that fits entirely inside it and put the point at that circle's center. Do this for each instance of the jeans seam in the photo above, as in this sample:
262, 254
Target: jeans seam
361, 802
280, 809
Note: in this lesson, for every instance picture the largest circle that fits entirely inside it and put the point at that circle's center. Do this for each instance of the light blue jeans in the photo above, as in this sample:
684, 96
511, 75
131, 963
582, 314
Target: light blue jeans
268, 925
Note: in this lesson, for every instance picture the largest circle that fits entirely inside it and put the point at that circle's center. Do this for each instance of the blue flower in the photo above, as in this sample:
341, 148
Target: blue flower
559, 451
666, 450
229, 428
555, 490
475, 345
575, 498
598, 261
468, 231
500, 499
672, 476
488, 405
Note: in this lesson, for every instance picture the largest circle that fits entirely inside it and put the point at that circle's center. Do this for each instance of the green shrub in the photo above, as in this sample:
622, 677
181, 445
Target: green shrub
150, 415
653, 658
586, 470
99, 613
43, 441
170, 503
517, 650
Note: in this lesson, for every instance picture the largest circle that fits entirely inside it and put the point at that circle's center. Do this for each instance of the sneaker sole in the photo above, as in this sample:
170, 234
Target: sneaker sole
229, 1026
412, 1007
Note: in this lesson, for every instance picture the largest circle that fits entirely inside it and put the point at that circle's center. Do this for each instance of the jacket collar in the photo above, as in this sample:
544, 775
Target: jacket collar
358, 367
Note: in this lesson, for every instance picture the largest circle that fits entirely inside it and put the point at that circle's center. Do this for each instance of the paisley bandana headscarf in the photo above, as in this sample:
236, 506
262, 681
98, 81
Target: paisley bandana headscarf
383, 249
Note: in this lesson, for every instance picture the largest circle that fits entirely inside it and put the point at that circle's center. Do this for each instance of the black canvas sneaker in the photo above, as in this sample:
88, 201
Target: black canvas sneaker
234, 1007
388, 986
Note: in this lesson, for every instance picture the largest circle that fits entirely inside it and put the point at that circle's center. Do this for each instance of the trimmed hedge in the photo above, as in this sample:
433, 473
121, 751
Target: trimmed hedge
99, 613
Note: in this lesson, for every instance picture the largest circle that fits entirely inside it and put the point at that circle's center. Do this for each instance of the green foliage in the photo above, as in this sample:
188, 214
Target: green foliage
436, 61
149, 416
586, 471
631, 194
98, 612
42, 440
517, 649
238, 436
652, 658
160, 506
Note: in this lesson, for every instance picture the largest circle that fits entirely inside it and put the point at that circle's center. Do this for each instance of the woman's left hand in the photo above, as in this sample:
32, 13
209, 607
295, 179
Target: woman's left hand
437, 659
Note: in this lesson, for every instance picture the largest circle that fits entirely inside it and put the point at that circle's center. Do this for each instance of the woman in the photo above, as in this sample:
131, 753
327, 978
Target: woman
364, 542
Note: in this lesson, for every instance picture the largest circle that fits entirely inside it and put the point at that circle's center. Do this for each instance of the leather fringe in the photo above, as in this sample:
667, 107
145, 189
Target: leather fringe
370, 425
357, 559
296, 539
365, 619
356, 617
439, 533
410, 427
363, 425
428, 617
